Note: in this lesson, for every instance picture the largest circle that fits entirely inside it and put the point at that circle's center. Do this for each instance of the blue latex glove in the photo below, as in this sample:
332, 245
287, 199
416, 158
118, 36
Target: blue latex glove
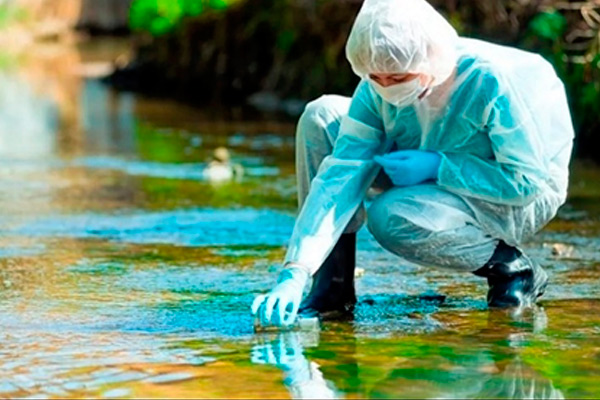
280, 306
410, 167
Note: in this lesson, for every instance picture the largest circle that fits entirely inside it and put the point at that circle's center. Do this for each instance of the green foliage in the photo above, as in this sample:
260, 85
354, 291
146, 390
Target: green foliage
159, 17
300, 52
7, 60
9, 14
549, 25
286, 39
578, 66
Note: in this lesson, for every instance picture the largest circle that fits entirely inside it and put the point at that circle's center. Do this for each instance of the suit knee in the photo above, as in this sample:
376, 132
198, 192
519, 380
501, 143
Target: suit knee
315, 113
390, 229
378, 220
321, 119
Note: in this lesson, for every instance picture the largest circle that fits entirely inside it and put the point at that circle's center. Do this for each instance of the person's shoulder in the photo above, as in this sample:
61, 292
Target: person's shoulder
495, 60
475, 70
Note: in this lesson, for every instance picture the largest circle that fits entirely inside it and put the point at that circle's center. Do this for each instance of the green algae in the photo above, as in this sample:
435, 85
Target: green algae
141, 310
476, 354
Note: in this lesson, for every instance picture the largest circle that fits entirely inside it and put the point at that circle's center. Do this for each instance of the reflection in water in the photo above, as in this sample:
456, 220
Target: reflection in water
38, 366
201, 227
124, 273
46, 112
108, 118
505, 374
492, 368
302, 377
70, 144
28, 122
518, 381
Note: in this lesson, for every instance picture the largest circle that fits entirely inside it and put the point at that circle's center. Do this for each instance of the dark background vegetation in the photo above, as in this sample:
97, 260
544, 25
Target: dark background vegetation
272, 50
278, 54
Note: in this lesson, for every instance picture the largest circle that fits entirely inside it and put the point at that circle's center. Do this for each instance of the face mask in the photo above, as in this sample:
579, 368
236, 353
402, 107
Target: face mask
401, 94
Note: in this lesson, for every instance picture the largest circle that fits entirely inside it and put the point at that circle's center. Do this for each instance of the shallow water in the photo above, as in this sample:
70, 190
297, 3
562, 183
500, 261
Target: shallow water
125, 272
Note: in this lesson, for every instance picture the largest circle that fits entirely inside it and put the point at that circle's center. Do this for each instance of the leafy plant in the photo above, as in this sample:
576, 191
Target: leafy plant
549, 25
570, 39
159, 17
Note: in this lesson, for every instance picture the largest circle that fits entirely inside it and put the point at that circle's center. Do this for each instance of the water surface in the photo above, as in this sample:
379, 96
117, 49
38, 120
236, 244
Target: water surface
125, 272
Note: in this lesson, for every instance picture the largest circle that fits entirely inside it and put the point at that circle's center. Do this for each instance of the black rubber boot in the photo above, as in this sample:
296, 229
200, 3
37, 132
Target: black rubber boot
514, 279
332, 294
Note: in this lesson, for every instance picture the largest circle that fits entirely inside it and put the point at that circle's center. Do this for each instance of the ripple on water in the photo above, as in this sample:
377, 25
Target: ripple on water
192, 171
200, 227
79, 321
116, 393
18, 251
60, 365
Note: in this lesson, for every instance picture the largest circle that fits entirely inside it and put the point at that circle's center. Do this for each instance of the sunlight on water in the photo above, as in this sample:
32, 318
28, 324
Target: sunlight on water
125, 272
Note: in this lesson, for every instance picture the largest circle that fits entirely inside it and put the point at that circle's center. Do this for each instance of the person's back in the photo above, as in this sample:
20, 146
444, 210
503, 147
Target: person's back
540, 90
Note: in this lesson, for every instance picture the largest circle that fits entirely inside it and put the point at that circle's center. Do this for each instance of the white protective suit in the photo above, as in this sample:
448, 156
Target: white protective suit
498, 116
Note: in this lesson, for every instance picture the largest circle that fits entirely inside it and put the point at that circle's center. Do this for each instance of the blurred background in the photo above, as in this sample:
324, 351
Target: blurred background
276, 54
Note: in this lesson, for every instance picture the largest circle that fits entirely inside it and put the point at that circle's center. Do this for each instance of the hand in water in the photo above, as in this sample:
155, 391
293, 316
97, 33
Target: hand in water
280, 306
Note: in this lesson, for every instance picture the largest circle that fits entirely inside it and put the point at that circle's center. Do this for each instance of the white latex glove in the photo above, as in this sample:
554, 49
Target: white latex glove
280, 306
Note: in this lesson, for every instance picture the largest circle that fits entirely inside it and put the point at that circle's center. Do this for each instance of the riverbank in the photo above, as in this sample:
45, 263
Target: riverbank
278, 54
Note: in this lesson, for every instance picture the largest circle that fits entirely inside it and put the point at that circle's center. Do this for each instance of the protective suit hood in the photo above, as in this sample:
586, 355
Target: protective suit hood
400, 36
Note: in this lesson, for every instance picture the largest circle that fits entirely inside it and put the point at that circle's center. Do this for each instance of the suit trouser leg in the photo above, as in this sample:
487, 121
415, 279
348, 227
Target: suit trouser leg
428, 225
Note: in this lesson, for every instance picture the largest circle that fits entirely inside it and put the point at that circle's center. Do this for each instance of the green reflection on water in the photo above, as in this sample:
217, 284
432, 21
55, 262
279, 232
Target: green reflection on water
251, 192
76, 300
544, 353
